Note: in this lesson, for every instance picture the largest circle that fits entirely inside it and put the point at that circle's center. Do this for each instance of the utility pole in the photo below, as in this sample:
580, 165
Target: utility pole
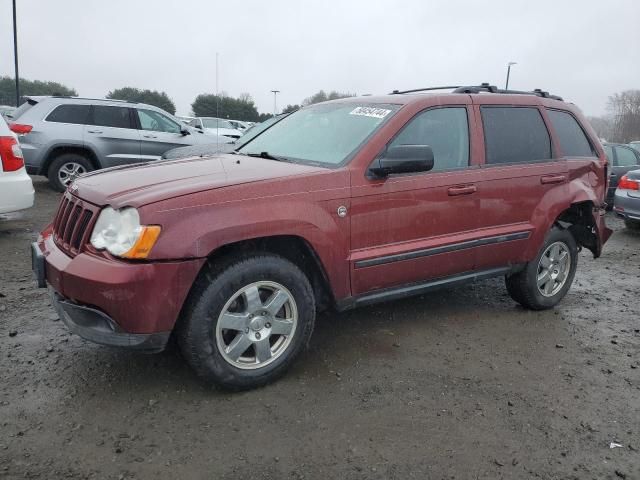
15, 54
506, 87
275, 96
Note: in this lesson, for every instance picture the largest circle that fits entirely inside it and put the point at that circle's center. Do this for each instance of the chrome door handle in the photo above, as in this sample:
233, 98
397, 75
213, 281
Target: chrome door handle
94, 131
547, 179
461, 190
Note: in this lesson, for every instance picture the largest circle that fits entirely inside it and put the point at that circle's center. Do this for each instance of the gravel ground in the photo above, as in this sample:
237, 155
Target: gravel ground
459, 384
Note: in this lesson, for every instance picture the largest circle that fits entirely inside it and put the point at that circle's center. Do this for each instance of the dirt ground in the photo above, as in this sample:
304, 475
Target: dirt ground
458, 384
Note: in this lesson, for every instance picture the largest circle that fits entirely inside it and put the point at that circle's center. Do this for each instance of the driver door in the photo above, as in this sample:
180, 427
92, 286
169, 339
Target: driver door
415, 227
159, 133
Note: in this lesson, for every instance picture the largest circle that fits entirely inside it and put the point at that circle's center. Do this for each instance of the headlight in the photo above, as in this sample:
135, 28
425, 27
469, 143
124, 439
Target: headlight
119, 232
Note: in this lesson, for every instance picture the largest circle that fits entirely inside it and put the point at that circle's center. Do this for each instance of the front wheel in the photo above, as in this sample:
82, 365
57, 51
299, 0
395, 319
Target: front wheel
245, 324
547, 279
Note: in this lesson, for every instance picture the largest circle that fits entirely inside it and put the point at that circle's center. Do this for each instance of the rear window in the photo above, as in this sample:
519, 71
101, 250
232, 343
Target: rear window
69, 114
118, 117
573, 141
22, 109
515, 135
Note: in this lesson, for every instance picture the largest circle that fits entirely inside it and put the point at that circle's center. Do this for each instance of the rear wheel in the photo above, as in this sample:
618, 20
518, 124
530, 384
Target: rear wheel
245, 324
66, 168
547, 279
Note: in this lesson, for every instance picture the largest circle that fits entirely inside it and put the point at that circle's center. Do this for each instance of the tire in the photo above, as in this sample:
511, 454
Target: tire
523, 286
632, 224
65, 168
238, 295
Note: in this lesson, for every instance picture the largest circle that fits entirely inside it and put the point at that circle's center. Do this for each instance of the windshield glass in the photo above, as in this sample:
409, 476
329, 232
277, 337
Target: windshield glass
323, 133
216, 123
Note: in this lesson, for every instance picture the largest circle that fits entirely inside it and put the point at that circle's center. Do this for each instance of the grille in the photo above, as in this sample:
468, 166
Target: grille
71, 226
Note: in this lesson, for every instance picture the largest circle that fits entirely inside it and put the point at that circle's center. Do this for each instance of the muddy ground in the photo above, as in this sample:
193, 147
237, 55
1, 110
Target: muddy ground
458, 384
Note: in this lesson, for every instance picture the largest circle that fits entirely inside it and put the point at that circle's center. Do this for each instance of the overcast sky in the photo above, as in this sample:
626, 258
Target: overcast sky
583, 50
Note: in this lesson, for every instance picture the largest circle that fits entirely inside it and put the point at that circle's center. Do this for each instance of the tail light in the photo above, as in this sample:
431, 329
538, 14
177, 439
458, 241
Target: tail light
10, 154
626, 183
20, 128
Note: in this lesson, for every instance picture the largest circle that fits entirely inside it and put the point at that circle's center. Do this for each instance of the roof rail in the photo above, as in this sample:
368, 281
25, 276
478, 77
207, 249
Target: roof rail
484, 87
399, 92
94, 99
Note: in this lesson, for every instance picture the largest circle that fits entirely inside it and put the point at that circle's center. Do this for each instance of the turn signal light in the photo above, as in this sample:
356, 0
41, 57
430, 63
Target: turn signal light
20, 128
626, 183
10, 154
144, 244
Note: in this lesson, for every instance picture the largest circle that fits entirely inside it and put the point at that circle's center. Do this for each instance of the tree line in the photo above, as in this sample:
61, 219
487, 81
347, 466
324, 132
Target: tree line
621, 123
205, 105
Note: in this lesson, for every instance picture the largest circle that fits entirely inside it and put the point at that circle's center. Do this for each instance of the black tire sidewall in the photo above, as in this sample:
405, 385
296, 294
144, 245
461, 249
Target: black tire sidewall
200, 339
52, 172
540, 301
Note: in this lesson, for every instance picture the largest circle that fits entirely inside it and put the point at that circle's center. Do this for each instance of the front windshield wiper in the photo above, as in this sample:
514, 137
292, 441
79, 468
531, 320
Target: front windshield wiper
266, 155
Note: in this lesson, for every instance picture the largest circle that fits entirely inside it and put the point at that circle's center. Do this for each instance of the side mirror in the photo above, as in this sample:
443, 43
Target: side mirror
403, 159
185, 131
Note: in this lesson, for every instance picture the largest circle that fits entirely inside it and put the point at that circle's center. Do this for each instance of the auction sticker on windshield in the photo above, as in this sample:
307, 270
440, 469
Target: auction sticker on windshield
370, 112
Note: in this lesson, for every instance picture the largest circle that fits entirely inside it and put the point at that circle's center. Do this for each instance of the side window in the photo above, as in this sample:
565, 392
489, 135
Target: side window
155, 121
626, 157
608, 150
573, 141
117, 117
77, 114
445, 130
515, 135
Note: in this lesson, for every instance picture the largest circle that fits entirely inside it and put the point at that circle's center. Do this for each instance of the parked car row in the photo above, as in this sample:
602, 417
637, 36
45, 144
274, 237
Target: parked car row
63, 137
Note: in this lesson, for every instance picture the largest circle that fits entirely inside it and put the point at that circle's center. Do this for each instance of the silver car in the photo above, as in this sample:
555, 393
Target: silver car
63, 137
627, 199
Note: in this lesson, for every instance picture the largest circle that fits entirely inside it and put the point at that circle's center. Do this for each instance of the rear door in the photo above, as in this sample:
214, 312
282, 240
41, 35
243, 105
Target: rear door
112, 135
159, 133
414, 227
519, 171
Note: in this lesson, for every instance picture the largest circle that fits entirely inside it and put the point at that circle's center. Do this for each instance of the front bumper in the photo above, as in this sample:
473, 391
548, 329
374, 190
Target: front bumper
96, 326
114, 302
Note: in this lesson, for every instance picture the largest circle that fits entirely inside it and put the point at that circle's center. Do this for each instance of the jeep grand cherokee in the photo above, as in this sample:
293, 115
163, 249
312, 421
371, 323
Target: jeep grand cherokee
338, 205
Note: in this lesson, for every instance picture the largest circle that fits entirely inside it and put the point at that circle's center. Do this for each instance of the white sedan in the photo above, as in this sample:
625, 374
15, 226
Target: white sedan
16, 188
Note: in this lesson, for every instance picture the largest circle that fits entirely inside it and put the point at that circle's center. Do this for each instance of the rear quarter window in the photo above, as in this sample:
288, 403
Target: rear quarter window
515, 135
571, 137
77, 114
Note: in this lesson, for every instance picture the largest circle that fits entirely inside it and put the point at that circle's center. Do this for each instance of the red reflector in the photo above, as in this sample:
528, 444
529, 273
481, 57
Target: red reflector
627, 184
20, 128
10, 154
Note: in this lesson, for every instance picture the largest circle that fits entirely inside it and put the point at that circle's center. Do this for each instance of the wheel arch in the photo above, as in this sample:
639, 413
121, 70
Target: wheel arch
57, 150
578, 219
294, 248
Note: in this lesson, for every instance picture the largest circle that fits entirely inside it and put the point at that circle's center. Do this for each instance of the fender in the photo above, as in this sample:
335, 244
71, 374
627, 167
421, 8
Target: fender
204, 229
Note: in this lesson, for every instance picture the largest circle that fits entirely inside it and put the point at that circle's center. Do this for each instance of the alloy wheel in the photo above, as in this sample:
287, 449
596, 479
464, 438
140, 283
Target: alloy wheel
256, 325
553, 269
69, 171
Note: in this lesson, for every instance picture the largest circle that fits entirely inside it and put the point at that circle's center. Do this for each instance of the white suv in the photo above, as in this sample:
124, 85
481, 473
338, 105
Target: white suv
16, 189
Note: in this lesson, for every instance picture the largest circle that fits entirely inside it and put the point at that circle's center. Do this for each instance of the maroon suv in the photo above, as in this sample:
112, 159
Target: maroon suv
340, 204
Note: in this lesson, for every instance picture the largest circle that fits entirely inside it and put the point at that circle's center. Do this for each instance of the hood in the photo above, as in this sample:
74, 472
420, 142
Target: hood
144, 183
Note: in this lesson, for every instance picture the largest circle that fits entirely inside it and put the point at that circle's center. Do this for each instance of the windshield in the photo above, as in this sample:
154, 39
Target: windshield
323, 133
216, 123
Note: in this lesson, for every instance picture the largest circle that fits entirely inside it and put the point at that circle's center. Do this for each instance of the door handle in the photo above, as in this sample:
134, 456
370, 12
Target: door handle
547, 179
94, 131
461, 190
149, 136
